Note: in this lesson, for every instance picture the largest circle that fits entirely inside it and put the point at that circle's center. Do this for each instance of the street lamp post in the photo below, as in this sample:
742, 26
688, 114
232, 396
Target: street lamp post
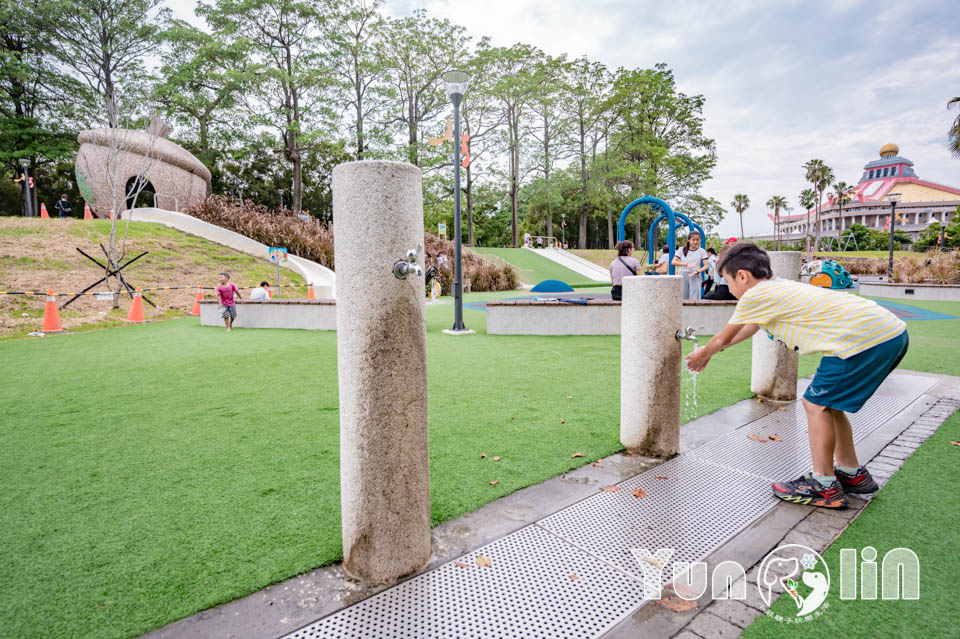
456, 83
25, 163
893, 198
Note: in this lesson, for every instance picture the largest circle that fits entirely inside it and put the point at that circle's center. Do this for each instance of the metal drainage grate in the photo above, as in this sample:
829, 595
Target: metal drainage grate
708, 496
527, 592
790, 457
695, 510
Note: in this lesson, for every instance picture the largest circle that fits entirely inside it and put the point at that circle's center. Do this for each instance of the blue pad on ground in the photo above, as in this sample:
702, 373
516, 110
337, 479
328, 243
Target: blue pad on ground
551, 286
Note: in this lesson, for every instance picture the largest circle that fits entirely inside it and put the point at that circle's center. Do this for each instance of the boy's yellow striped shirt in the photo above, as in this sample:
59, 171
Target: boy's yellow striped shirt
811, 319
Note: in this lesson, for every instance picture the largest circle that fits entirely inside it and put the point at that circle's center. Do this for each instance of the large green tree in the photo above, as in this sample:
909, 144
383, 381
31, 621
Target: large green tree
777, 203
821, 177
285, 74
416, 50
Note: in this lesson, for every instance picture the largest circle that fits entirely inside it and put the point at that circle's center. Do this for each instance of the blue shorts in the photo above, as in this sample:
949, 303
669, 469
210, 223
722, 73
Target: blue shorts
847, 384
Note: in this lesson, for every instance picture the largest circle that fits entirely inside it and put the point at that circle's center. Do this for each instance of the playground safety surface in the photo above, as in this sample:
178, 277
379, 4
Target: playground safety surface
571, 574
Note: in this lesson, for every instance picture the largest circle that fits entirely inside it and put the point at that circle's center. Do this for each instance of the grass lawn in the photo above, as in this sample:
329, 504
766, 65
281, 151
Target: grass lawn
916, 510
156, 470
533, 268
834, 254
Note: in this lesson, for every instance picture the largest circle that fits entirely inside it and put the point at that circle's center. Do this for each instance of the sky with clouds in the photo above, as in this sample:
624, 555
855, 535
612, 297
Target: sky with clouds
784, 81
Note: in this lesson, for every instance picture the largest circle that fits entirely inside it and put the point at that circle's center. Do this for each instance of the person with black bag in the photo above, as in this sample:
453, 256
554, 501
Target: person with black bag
622, 267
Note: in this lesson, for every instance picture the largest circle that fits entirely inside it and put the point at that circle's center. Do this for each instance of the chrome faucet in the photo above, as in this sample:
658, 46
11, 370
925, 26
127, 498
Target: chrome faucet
688, 334
408, 265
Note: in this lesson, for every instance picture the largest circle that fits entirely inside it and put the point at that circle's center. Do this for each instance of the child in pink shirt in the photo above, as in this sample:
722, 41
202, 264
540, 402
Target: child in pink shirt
228, 306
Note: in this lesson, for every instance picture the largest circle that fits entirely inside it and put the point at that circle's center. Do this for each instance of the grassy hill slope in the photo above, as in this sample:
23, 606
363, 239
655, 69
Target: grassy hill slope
39, 254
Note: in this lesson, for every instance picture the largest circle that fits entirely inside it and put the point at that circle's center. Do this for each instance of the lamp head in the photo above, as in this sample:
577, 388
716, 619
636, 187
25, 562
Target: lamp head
893, 197
456, 82
24, 162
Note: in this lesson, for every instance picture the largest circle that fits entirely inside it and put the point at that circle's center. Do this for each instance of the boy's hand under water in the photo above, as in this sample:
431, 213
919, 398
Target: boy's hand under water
698, 359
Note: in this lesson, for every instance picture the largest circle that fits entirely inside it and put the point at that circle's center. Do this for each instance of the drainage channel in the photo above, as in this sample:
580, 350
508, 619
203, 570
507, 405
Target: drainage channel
571, 574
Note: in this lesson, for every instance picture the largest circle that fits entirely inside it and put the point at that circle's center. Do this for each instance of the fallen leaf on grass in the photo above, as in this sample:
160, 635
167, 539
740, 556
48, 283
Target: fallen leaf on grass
783, 408
775, 438
483, 562
955, 443
495, 482
610, 489
496, 459
639, 493
659, 477
569, 396
460, 564
757, 438
577, 455
562, 421
676, 604
483, 455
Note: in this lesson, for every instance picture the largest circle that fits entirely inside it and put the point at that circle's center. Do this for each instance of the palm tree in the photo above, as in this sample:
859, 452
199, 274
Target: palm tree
820, 176
842, 194
777, 203
808, 200
954, 133
740, 202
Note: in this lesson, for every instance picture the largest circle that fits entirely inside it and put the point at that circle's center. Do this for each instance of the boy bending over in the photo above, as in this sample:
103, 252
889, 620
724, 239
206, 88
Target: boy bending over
861, 344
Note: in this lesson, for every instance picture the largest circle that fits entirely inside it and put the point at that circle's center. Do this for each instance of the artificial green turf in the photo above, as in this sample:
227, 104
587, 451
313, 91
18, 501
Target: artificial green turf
153, 471
533, 268
917, 509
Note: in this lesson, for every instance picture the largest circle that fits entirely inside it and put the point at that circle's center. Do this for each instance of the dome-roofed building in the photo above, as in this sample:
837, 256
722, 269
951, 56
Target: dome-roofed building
921, 202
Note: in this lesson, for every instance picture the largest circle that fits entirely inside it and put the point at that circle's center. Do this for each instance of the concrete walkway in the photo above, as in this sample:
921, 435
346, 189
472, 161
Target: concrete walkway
560, 551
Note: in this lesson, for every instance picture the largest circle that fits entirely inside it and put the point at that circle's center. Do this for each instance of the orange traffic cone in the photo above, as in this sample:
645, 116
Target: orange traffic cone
111, 214
43, 212
51, 315
136, 309
310, 294
269, 293
196, 304
87, 215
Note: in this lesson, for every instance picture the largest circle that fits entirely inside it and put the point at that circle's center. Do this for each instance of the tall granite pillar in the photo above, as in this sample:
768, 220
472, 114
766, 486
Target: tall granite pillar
773, 373
650, 359
382, 365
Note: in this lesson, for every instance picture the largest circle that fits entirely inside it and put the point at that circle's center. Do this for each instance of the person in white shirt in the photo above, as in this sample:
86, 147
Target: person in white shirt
260, 293
693, 261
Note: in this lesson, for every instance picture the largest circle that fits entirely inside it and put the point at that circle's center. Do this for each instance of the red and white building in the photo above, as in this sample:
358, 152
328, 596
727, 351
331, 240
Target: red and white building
921, 202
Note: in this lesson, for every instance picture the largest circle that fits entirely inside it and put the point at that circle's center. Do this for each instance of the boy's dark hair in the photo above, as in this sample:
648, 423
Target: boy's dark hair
225, 274
623, 247
744, 256
264, 283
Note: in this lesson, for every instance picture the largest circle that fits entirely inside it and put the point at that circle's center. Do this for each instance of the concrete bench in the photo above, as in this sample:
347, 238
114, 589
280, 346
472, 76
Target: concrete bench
315, 315
897, 290
597, 317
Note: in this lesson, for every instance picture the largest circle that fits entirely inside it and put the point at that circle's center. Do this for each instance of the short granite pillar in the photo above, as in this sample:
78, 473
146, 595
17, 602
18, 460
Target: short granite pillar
382, 366
773, 373
650, 359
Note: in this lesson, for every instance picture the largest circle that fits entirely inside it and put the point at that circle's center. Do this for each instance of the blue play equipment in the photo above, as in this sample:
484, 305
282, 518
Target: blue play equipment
665, 212
552, 286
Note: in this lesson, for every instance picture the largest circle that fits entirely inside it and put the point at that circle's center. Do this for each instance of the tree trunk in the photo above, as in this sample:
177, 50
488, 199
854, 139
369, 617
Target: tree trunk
741, 226
469, 193
611, 237
412, 151
582, 239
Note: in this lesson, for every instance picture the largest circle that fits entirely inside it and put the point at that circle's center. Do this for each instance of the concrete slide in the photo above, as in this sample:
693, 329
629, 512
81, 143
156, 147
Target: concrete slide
575, 263
323, 279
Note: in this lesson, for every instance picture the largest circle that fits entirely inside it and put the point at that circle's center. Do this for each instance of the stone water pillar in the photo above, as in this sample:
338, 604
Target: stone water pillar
382, 366
773, 373
650, 360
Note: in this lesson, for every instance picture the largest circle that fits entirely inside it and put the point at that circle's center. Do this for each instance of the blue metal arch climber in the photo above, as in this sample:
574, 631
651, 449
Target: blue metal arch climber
665, 212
